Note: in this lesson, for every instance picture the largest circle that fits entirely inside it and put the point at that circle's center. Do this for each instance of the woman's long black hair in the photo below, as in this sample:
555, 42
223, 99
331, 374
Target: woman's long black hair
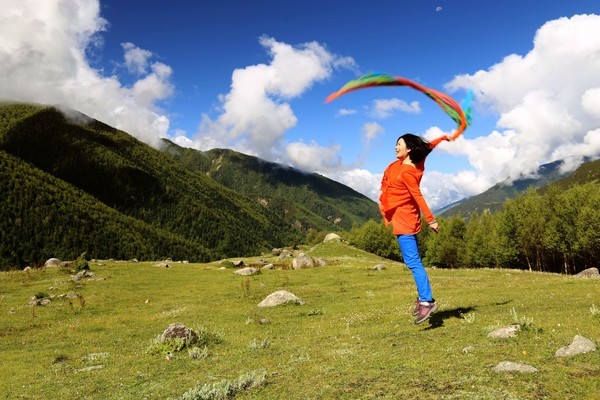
419, 147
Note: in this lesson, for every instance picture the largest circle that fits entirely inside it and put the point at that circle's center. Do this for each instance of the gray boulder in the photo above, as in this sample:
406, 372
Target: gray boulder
285, 254
179, 331
247, 271
509, 366
302, 262
589, 273
52, 262
332, 236
280, 297
505, 332
579, 345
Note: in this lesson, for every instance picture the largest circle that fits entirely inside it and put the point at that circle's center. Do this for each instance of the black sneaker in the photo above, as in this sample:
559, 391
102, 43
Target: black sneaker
425, 311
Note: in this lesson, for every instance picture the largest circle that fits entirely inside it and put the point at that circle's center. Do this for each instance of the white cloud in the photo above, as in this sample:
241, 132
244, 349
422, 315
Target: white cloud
259, 128
345, 112
371, 130
43, 59
384, 108
313, 157
548, 102
359, 179
136, 59
590, 102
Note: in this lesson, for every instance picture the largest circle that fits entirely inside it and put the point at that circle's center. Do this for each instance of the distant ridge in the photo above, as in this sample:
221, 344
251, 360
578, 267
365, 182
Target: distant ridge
305, 200
494, 198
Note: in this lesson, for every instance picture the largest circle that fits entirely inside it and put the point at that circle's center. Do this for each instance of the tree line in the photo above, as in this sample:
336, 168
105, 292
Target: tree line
551, 230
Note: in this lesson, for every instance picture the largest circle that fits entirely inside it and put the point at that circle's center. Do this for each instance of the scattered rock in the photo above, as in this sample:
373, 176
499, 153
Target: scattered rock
589, 273
332, 236
509, 366
82, 274
505, 332
238, 263
247, 271
468, 349
264, 321
302, 262
280, 297
162, 265
320, 262
27, 269
378, 267
52, 262
268, 266
179, 331
579, 345
285, 253
34, 301
276, 251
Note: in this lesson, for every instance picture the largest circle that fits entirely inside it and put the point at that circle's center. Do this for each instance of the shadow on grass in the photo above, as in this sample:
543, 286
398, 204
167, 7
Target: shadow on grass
437, 319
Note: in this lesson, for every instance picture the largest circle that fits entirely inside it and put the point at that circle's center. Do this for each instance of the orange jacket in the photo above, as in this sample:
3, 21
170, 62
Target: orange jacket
401, 202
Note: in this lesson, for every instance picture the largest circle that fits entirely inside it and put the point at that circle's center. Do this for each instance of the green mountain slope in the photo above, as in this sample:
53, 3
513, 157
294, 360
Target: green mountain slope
138, 181
43, 216
74, 185
304, 200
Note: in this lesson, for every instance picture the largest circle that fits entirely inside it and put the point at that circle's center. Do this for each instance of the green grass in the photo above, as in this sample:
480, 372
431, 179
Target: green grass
352, 339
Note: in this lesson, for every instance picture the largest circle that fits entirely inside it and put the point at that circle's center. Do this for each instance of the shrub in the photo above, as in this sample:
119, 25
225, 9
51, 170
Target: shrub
226, 389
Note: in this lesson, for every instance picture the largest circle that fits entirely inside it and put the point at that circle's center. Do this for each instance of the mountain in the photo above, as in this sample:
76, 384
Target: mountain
304, 200
494, 198
73, 185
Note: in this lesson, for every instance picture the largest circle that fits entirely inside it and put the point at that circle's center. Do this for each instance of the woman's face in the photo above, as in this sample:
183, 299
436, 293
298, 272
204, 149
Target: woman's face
401, 150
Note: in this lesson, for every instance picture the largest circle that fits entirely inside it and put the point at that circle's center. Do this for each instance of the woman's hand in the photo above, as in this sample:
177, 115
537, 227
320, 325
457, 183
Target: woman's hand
434, 226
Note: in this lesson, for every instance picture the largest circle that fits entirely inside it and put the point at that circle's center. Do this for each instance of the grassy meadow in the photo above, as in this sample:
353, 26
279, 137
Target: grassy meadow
354, 338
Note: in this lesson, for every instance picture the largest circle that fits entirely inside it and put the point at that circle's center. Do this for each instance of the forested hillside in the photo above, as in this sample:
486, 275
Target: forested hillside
553, 229
302, 199
72, 186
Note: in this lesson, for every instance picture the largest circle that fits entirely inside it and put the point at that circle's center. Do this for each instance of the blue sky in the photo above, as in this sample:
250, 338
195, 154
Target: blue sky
252, 76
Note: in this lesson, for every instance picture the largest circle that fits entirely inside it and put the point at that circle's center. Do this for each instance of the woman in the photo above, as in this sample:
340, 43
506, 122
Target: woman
401, 204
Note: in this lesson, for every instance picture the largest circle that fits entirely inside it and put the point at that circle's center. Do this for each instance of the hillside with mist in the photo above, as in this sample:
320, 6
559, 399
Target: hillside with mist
302, 199
78, 185
493, 199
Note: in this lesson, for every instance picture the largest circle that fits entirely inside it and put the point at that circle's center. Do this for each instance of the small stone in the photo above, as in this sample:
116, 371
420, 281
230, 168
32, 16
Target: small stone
247, 271
509, 366
468, 349
505, 332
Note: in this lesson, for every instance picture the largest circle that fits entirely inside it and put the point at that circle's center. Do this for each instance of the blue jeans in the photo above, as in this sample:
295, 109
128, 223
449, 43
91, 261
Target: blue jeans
412, 259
